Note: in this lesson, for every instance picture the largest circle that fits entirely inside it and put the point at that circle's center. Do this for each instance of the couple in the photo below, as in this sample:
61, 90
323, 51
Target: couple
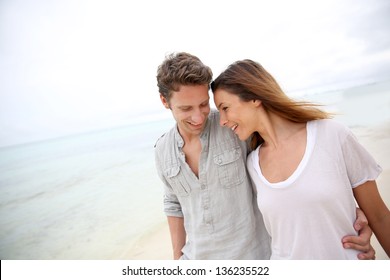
211, 203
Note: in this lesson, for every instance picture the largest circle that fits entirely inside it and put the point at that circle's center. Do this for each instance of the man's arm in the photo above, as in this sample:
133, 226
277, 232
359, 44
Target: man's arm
361, 242
178, 235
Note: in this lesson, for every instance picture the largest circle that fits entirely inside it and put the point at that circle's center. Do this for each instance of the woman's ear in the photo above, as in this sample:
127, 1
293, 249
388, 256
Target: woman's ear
257, 102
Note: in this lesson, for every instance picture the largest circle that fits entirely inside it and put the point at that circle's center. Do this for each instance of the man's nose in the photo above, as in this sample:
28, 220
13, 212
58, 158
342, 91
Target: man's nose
198, 117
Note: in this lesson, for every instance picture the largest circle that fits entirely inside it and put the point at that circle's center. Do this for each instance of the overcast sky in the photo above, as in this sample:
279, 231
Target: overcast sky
69, 66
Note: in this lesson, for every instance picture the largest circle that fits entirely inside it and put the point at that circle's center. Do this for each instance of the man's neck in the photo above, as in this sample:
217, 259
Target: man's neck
189, 138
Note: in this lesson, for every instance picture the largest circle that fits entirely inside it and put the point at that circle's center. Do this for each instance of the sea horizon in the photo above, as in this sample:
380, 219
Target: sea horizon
311, 93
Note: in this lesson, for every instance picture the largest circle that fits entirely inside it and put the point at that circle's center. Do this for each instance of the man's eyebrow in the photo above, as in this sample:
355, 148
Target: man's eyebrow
190, 106
184, 106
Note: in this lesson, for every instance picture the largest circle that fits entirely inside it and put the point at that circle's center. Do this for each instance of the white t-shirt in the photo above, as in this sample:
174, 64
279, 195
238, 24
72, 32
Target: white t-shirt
308, 214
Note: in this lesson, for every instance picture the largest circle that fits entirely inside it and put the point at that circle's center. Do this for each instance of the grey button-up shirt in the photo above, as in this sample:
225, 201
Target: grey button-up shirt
220, 213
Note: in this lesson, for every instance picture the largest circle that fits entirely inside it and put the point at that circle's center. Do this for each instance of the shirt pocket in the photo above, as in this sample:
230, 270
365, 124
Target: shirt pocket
177, 181
231, 168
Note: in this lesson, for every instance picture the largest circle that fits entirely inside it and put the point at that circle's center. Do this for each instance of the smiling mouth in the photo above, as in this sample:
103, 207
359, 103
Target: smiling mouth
196, 125
233, 128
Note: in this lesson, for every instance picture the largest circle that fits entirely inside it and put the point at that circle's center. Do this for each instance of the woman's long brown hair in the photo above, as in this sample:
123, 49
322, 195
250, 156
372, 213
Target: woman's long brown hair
250, 81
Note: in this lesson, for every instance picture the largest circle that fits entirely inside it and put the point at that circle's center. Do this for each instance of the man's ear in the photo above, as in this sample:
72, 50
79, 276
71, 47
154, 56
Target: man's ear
164, 101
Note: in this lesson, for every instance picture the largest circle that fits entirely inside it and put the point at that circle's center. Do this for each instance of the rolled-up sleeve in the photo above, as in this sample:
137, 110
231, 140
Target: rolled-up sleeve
172, 206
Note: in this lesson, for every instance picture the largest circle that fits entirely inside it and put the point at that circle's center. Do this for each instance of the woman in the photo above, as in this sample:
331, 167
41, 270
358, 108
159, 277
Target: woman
307, 169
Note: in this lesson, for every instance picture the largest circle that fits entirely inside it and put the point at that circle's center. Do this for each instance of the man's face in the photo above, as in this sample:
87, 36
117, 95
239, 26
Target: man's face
190, 108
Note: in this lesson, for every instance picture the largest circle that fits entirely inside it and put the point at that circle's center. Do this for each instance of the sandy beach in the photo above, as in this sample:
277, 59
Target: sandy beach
154, 246
376, 139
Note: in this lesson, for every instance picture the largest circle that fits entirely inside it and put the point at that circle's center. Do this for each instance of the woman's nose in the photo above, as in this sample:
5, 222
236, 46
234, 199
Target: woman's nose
222, 121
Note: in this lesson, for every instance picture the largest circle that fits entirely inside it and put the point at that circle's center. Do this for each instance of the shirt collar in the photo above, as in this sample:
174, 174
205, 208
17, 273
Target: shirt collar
179, 140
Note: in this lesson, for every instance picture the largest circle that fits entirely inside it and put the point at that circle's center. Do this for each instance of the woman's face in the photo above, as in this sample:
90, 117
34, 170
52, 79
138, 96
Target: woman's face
236, 114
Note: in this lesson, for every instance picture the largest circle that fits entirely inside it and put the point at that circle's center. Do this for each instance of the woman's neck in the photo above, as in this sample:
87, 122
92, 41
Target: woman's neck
276, 130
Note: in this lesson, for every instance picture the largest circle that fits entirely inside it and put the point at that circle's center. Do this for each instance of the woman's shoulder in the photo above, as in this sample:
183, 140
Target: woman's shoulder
331, 127
330, 124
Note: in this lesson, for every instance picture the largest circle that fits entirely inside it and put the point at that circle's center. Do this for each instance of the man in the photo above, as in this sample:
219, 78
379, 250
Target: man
208, 197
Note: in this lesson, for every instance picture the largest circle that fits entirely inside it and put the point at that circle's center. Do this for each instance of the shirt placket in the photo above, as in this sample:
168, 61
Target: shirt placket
204, 188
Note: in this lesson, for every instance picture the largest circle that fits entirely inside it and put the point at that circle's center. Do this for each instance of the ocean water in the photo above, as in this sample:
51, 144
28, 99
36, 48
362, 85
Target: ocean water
93, 195
87, 196
363, 105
